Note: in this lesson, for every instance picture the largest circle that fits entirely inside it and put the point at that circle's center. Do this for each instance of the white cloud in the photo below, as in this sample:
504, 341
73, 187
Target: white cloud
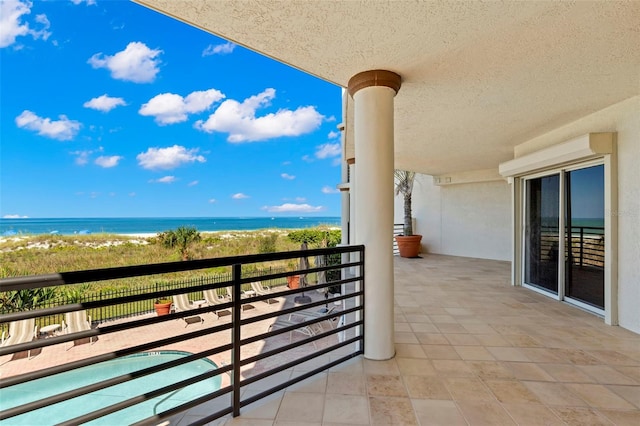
14, 216
168, 158
169, 108
290, 208
82, 157
88, 2
108, 161
287, 176
219, 49
165, 179
12, 26
136, 63
63, 129
193, 183
328, 150
336, 161
240, 122
212, 200
333, 135
307, 159
300, 199
104, 103
329, 190
239, 196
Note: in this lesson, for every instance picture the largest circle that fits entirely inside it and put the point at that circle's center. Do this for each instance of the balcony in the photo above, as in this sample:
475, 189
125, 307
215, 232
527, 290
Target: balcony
470, 349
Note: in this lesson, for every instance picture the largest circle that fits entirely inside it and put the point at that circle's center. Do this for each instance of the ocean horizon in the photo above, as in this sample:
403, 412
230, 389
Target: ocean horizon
153, 225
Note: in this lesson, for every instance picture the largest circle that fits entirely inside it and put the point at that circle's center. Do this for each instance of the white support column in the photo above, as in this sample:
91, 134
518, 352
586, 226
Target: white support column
373, 93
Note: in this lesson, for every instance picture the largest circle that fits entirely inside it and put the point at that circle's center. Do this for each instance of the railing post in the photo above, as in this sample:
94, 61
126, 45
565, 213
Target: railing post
235, 352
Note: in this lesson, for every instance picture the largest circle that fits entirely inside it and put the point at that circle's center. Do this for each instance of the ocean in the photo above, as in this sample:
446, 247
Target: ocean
152, 225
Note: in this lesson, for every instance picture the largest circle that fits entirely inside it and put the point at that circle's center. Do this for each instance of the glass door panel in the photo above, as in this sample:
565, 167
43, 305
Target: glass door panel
584, 235
542, 223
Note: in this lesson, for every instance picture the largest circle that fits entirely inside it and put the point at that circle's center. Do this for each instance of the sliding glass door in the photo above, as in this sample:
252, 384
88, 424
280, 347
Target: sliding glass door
542, 222
564, 213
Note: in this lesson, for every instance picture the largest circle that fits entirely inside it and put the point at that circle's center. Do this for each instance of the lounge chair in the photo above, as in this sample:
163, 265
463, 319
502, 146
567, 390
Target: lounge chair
243, 295
302, 329
262, 290
20, 332
213, 298
77, 321
182, 303
308, 315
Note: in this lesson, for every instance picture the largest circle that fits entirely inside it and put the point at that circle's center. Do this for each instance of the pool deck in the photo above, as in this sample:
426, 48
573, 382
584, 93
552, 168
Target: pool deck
470, 350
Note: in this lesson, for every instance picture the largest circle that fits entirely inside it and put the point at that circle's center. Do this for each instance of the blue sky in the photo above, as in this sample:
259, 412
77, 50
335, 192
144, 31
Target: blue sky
109, 109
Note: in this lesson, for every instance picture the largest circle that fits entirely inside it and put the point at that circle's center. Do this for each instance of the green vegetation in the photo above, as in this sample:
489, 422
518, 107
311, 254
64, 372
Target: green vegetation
181, 239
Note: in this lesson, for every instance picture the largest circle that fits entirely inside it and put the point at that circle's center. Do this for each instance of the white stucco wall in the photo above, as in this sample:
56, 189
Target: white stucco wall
623, 118
470, 220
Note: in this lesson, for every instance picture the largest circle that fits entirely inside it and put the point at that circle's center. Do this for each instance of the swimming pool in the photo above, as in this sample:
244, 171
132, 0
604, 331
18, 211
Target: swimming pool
48, 386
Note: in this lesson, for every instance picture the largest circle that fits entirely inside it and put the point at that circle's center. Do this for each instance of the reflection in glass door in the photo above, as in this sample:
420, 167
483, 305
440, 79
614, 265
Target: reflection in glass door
542, 224
584, 235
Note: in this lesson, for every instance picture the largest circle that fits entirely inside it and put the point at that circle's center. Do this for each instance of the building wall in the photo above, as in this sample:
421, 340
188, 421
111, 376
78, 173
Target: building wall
470, 219
623, 118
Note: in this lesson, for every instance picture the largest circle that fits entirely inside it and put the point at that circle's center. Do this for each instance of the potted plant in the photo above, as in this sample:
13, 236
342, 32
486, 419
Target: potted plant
162, 306
408, 242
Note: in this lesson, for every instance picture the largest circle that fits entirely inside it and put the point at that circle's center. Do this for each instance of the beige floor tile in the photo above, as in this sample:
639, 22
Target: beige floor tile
581, 416
346, 409
442, 319
450, 328
508, 354
345, 383
511, 391
391, 411
468, 388
577, 356
452, 368
621, 417
462, 339
381, 367
490, 370
607, 375
440, 352
614, 358
317, 383
478, 353
426, 387
598, 396
244, 421
266, 408
417, 317
528, 371
415, 367
431, 339
542, 355
632, 372
629, 393
479, 328
383, 385
489, 413
301, 407
555, 394
491, 340
438, 413
405, 350
522, 341
532, 415
405, 337
567, 373
423, 327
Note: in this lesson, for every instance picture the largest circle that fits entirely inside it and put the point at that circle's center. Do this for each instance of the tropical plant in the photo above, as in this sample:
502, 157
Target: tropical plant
180, 238
316, 237
404, 185
24, 300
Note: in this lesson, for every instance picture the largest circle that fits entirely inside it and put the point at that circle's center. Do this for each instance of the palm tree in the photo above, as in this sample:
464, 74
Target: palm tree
404, 185
180, 238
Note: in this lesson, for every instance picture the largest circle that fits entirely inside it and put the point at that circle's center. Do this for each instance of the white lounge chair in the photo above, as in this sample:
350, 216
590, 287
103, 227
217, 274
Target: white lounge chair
262, 290
77, 321
213, 298
302, 329
243, 295
182, 303
308, 315
20, 332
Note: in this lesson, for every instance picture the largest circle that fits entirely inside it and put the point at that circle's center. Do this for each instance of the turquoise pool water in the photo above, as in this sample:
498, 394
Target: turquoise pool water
38, 389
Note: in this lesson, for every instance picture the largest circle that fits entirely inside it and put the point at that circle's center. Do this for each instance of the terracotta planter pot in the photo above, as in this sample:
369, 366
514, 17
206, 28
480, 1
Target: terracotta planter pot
293, 281
409, 246
162, 308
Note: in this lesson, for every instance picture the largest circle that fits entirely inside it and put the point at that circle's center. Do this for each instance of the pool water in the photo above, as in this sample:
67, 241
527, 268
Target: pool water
66, 410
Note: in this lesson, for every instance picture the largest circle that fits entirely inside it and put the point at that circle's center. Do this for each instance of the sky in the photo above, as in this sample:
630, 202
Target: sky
110, 109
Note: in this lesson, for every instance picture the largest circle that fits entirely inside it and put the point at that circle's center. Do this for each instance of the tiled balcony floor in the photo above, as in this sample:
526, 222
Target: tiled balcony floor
472, 350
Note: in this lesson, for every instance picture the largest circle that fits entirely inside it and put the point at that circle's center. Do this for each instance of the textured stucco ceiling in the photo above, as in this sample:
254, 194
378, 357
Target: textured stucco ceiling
478, 77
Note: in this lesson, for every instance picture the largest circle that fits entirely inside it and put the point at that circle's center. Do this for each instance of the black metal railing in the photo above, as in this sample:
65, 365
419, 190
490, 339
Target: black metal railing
585, 247
245, 365
398, 228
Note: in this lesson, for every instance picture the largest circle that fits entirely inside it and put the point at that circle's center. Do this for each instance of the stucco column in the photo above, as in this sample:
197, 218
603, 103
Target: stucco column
373, 93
